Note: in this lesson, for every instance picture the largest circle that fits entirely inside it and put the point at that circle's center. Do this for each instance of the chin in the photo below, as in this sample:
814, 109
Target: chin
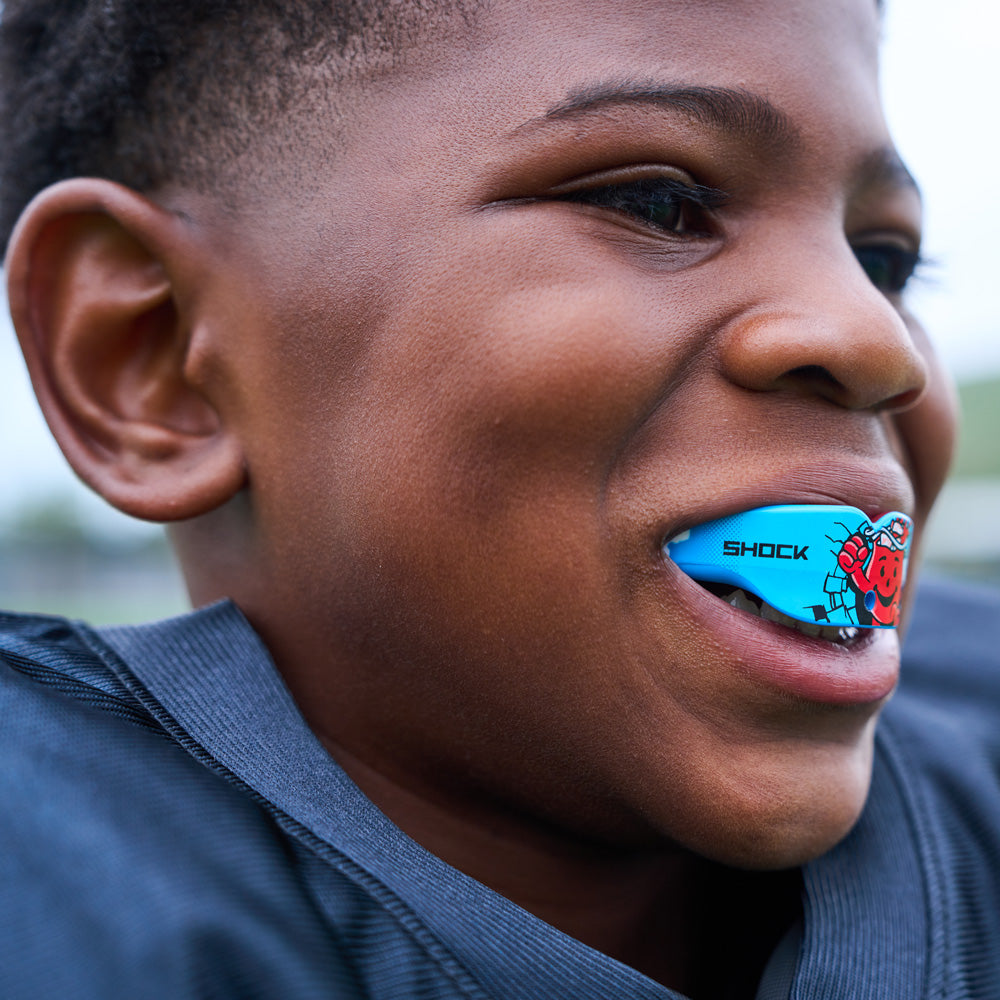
788, 844
782, 819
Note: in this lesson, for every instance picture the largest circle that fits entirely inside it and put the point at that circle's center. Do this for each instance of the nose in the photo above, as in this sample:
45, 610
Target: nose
820, 327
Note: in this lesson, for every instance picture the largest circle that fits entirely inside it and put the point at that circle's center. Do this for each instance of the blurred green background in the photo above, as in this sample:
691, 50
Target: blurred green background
57, 556
964, 533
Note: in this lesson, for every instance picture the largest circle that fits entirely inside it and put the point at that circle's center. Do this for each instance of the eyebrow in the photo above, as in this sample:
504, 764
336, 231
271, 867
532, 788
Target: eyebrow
733, 111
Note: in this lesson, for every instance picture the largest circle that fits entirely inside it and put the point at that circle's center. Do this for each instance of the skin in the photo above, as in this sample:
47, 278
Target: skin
429, 423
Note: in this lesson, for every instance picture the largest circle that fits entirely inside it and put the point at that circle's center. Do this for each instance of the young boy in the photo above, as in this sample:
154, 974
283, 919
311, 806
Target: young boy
425, 326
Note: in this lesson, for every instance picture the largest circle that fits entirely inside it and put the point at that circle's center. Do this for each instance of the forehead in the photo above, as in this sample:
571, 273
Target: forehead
776, 43
517, 63
521, 97
702, 36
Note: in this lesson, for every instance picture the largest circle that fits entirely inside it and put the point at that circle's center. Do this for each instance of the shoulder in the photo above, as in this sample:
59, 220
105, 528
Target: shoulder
944, 721
133, 865
127, 867
90, 781
942, 735
46, 658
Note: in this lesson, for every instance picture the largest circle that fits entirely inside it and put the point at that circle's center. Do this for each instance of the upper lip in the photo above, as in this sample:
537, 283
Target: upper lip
875, 488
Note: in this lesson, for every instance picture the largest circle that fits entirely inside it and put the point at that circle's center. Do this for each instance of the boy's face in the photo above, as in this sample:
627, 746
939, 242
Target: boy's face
492, 354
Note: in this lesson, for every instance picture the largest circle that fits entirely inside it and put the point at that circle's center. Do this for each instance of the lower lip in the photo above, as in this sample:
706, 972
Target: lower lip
795, 664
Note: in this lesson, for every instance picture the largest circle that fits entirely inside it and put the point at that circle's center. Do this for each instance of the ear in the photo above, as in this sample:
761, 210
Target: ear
100, 284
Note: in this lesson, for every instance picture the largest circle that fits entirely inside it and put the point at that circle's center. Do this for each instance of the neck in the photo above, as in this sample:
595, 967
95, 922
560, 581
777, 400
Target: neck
664, 911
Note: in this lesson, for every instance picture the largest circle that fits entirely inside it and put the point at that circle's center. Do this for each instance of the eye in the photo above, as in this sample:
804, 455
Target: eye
663, 203
888, 266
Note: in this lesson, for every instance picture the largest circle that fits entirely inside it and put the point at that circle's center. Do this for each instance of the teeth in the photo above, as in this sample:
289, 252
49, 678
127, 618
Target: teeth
742, 600
745, 601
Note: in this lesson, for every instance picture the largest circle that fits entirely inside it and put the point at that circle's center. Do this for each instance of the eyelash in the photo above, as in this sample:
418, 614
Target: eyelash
661, 203
889, 267
671, 206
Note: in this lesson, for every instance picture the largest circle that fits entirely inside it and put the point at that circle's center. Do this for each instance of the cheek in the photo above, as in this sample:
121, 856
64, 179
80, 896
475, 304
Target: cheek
928, 430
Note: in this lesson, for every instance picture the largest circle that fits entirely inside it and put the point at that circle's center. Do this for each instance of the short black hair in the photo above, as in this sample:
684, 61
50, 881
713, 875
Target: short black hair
145, 92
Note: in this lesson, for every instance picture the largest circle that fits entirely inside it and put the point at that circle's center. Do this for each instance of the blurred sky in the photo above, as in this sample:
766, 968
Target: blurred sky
941, 73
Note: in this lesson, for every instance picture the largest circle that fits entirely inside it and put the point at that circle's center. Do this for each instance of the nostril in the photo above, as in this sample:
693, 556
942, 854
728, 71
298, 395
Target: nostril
814, 380
903, 400
813, 373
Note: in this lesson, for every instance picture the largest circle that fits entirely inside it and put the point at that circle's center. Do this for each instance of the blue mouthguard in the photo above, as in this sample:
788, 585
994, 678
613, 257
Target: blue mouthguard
824, 564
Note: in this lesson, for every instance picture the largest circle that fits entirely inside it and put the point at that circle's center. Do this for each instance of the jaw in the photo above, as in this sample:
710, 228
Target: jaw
772, 730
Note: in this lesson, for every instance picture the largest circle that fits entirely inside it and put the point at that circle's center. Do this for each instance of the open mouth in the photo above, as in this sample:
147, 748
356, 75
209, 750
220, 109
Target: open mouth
810, 568
745, 600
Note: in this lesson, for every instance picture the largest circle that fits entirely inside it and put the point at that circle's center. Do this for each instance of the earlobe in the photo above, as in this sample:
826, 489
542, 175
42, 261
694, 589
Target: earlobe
95, 296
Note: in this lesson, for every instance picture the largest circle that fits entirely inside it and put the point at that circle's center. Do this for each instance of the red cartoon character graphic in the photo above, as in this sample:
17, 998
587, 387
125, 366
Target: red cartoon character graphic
875, 564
